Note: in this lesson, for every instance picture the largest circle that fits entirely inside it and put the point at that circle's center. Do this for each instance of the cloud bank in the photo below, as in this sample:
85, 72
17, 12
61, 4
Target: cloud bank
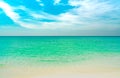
83, 15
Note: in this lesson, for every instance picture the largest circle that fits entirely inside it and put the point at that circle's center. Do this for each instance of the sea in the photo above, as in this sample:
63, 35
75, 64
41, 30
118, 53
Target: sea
55, 51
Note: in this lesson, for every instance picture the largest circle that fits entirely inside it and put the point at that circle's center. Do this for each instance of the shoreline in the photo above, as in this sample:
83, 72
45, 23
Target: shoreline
56, 72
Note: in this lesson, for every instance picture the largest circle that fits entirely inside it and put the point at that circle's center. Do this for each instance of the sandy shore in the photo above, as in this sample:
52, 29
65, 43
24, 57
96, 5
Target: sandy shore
60, 72
103, 67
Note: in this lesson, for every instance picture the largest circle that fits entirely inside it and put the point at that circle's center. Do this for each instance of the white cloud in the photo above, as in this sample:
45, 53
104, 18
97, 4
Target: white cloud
42, 15
74, 2
9, 12
56, 2
41, 4
38, 0
13, 15
85, 15
88, 8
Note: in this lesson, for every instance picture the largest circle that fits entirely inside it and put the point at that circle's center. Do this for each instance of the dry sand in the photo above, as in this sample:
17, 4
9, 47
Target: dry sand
73, 71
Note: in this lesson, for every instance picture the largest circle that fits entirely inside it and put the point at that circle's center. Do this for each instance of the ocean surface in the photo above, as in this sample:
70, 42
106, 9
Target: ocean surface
59, 51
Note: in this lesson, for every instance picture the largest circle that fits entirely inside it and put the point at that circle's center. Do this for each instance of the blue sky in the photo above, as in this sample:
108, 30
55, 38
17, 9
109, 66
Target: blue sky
60, 17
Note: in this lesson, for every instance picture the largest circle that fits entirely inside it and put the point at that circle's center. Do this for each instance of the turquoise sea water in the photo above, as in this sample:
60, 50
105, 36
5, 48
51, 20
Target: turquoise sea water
58, 50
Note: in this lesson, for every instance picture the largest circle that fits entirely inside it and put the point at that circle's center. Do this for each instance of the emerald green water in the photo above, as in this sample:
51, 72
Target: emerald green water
51, 50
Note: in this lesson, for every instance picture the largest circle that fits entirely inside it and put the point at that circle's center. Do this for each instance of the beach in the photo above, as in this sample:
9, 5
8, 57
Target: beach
60, 57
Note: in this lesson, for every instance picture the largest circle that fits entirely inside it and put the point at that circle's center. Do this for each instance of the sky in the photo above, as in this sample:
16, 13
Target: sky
59, 17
